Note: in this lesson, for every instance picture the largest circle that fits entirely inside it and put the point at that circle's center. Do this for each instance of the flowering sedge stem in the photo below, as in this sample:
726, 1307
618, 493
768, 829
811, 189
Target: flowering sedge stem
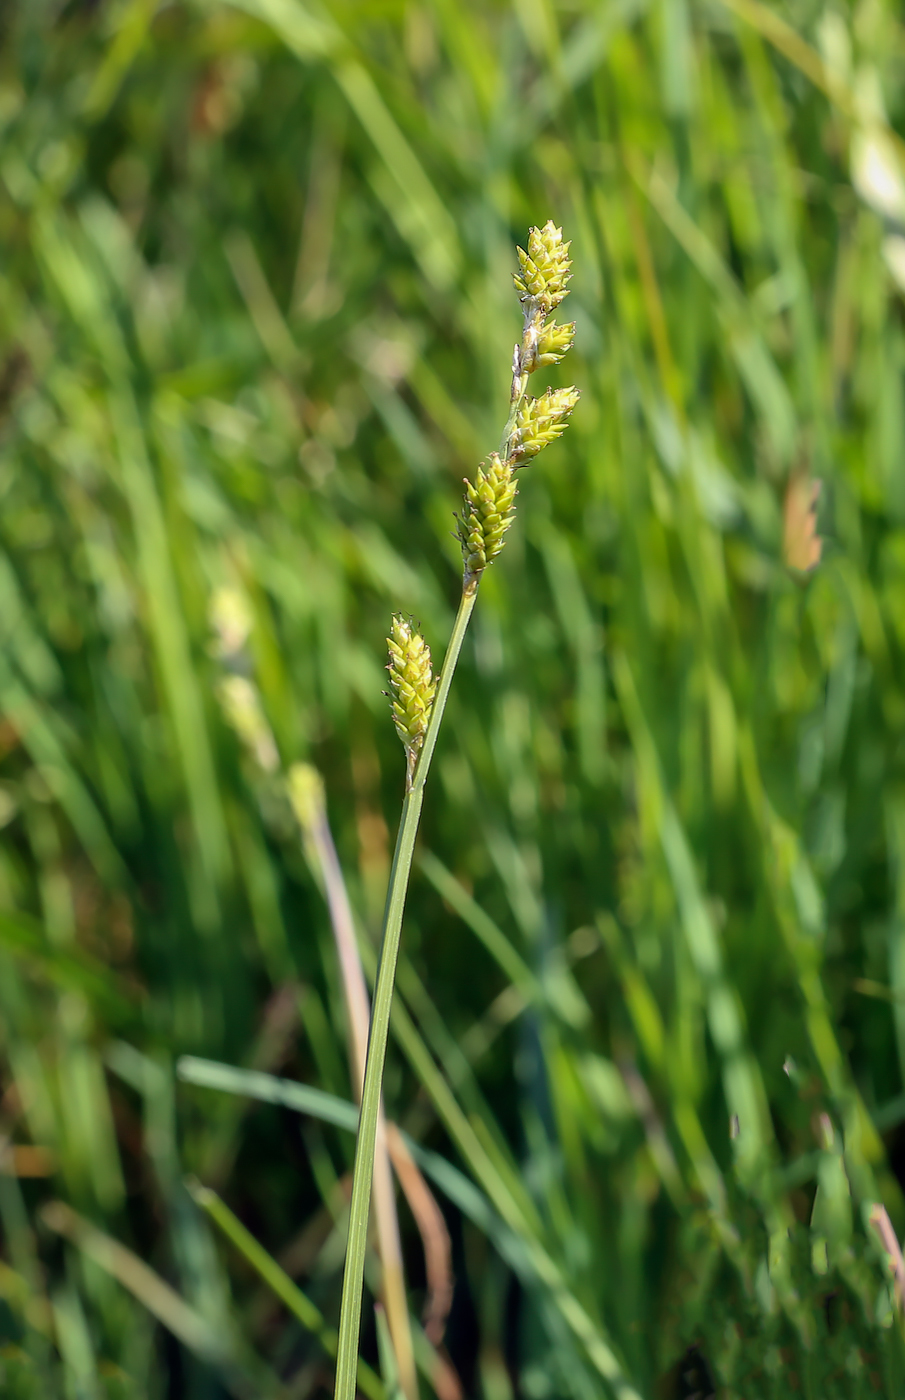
418, 707
350, 1311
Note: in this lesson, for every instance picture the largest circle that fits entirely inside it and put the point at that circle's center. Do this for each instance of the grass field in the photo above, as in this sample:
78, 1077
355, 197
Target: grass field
648, 1048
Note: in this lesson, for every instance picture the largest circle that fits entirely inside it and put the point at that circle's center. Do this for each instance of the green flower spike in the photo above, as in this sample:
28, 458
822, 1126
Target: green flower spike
554, 344
545, 269
487, 513
541, 421
412, 686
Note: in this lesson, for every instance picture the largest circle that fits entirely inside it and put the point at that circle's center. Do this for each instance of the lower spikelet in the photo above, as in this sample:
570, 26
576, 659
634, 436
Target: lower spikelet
487, 513
412, 685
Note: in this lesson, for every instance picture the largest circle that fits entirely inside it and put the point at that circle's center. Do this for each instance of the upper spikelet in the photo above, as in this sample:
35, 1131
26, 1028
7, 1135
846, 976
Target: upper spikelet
489, 505
544, 269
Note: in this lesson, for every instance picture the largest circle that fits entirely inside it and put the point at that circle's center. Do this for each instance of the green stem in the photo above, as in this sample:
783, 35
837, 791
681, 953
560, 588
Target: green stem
350, 1311
519, 388
534, 321
280, 1283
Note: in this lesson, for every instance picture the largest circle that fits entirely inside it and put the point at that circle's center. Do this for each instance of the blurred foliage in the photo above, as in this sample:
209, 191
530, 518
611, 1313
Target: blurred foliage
256, 319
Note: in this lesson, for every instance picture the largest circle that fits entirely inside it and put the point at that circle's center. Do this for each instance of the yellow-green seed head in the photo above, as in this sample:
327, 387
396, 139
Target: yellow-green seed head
412, 684
541, 421
545, 268
547, 345
555, 342
487, 513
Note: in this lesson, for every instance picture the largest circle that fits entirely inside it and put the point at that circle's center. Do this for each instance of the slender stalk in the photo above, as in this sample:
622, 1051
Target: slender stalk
350, 1311
516, 399
317, 830
279, 1282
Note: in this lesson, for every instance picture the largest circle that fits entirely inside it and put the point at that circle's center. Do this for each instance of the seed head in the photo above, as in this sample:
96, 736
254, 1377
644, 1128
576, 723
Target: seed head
544, 269
541, 421
412, 685
549, 345
487, 513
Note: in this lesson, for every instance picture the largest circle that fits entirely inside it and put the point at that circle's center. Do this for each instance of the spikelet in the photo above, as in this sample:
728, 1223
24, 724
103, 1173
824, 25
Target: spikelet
554, 343
412, 685
487, 513
544, 269
540, 422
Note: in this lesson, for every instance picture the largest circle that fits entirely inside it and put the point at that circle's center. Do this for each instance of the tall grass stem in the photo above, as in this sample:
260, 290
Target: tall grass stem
350, 1311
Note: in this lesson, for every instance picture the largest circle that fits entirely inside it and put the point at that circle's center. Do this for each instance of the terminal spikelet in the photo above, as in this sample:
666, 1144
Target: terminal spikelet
544, 269
412, 685
487, 513
540, 422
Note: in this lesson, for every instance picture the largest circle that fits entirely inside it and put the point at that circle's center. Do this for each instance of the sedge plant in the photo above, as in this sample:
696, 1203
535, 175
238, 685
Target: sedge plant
418, 697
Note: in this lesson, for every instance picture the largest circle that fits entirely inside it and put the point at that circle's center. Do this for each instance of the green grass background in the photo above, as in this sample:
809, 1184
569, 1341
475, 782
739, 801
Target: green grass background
256, 320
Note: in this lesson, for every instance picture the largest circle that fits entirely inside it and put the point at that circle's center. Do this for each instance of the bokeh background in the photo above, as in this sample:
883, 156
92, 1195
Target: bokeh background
256, 320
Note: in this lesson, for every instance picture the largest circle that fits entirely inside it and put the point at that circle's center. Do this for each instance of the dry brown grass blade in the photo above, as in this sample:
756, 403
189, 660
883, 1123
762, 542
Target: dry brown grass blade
26, 1160
434, 1234
882, 1225
437, 1259
801, 545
